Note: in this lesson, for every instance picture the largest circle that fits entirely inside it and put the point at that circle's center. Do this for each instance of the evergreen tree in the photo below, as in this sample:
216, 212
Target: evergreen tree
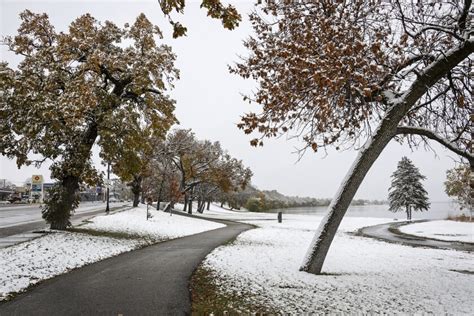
406, 191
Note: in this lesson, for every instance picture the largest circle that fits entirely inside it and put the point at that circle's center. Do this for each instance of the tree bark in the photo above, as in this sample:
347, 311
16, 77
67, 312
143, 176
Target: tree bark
185, 209
136, 199
59, 208
64, 205
200, 207
337, 209
199, 203
190, 202
190, 205
160, 192
136, 189
208, 205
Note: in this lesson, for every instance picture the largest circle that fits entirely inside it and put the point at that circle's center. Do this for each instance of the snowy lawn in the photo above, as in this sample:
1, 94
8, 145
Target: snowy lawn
363, 275
56, 253
28, 263
443, 230
160, 226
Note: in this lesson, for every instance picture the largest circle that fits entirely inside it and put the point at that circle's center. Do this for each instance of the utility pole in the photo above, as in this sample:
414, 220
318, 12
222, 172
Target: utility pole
107, 208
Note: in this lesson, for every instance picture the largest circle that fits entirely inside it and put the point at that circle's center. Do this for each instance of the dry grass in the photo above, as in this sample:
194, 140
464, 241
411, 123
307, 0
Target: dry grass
461, 218
208, 299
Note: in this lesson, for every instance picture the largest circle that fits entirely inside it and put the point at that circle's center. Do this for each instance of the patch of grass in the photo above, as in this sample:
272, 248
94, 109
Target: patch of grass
209, 299
460, 218
394, 230
118, 235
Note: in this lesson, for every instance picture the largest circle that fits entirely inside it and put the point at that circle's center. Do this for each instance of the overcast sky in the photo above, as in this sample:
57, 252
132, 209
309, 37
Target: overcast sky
209, 101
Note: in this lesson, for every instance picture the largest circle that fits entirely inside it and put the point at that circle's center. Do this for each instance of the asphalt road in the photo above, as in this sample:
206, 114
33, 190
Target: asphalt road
150, 281
25, 218
390, 233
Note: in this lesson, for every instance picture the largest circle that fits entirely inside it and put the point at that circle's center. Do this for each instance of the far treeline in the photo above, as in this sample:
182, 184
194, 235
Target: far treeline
256, 200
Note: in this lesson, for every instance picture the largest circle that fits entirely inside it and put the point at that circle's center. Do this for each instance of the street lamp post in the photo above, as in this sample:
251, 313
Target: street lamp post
107, 208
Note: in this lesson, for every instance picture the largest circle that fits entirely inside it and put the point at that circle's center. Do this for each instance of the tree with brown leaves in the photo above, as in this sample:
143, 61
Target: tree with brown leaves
459, 184
215, 9
347, 73
76, 89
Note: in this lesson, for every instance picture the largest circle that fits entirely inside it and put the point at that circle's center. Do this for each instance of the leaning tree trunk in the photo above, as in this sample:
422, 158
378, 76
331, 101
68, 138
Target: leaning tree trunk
337, 209
201, 206
63, 198
387, 129
208, 205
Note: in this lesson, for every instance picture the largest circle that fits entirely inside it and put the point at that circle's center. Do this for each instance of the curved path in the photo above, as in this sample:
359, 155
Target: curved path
150, 281
390, 233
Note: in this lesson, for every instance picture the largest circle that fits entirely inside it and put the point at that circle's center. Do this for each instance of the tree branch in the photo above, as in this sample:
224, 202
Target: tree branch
463, 16
435, 71
413, 130
439, 29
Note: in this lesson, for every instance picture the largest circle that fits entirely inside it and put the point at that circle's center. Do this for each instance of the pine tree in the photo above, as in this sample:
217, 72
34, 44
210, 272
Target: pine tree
406, 191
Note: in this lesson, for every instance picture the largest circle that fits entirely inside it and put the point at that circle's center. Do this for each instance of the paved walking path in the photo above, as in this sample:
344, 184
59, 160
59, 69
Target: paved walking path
150, 281
390, 232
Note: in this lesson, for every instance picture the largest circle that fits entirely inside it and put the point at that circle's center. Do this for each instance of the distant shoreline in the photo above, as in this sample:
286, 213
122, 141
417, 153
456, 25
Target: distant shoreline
438, 210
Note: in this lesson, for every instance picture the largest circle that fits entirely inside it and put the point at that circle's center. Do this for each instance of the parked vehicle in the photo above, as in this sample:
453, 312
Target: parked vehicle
13, 198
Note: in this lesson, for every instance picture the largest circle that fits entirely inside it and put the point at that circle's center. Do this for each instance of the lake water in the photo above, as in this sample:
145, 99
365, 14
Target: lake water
438, 210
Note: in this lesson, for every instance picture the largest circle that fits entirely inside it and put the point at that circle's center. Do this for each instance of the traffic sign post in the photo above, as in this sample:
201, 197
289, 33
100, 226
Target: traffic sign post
37, 186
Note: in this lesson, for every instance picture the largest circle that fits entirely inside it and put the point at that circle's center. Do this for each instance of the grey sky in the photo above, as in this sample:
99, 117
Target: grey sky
208, 101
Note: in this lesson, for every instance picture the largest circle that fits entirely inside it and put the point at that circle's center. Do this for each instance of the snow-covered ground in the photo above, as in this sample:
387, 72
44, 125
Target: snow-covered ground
160, 226
443, 230
30, 262
363, 275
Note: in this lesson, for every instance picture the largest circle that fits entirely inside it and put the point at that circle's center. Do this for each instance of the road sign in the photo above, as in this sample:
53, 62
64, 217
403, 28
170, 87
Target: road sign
47, 186
36, 179
36, 187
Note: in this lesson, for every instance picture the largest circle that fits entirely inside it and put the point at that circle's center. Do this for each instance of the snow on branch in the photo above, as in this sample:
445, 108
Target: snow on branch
412, 130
